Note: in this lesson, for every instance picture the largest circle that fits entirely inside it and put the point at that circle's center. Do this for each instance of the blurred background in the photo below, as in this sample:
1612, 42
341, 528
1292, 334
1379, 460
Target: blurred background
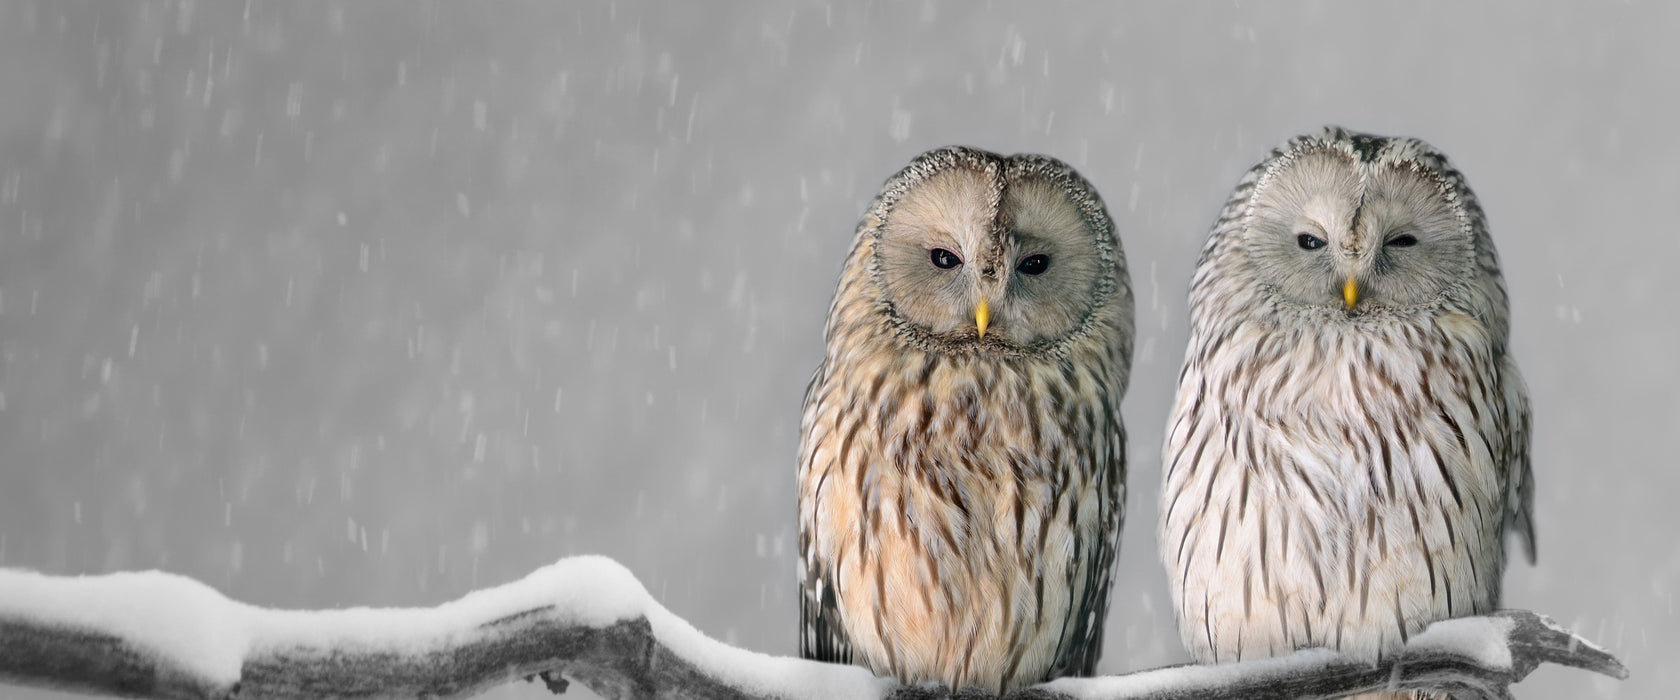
375, 303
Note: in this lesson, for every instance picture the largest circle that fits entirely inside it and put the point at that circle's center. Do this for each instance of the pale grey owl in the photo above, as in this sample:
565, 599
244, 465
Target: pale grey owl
1349, 442
962, 466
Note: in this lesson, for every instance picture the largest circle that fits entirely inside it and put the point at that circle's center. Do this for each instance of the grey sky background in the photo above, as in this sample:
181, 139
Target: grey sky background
373, 303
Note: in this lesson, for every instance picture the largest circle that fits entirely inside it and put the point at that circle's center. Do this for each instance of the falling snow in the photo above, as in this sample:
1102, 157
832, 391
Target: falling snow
379, 302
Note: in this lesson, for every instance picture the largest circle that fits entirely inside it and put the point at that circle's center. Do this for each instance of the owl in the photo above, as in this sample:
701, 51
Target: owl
1349, 441
962, 465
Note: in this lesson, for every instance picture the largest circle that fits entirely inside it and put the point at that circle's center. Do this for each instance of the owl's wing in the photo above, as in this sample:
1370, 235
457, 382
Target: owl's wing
1519, 477
821, 636
1091, 612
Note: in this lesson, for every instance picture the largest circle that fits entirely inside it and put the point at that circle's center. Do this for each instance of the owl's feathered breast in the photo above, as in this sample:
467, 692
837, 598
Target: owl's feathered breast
964, 528
1337, 481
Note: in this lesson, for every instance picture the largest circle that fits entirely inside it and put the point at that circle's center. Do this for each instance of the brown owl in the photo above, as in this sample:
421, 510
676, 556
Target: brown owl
962, 467
1349, 443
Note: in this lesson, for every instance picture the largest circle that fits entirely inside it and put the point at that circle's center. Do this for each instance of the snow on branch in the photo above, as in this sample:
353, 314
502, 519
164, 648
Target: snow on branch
157, 635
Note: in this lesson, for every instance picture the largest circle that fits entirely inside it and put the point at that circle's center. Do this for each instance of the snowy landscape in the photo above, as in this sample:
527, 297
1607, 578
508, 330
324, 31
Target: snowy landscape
336, 304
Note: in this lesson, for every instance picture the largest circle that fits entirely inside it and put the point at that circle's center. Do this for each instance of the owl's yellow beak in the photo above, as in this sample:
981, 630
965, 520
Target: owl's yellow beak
1350, 292
982, 316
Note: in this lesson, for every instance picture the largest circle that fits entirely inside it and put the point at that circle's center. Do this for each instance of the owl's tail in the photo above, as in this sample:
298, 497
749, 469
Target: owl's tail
1407, 695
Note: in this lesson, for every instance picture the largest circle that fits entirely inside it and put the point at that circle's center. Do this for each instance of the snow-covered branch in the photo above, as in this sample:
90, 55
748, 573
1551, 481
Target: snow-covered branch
157, 635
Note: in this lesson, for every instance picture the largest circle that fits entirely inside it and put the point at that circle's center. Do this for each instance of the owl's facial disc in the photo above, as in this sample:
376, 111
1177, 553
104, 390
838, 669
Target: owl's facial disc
1332, 231
1020, 274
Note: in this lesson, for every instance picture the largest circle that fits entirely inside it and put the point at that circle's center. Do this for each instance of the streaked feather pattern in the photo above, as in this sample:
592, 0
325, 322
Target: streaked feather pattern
961, 497
1339, 477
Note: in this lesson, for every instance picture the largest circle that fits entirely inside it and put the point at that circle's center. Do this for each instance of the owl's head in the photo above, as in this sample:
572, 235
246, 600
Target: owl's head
1361, 223
973, 250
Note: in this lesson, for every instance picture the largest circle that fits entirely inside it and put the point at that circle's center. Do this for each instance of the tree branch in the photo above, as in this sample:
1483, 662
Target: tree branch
156, 635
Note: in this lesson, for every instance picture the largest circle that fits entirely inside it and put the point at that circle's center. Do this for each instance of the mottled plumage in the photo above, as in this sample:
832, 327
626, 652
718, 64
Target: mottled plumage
1349, 442
962, 467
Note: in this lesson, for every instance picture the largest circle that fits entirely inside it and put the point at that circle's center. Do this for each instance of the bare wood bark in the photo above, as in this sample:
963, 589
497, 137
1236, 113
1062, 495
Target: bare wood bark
652, 655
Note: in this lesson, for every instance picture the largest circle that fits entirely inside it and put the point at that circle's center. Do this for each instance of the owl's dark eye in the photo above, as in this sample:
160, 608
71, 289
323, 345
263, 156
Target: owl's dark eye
1403, 241
1034, 264
1308, 241
944, 259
